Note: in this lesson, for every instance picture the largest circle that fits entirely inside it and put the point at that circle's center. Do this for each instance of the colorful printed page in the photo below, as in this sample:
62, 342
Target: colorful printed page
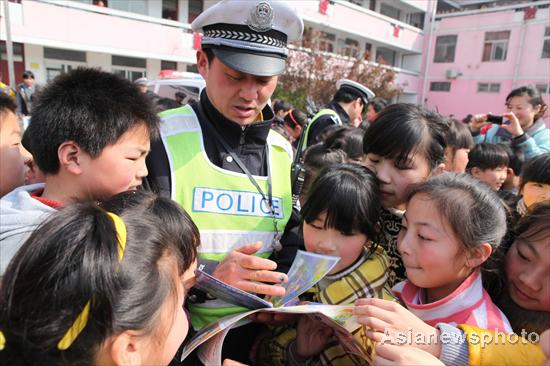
338, 317
307, 269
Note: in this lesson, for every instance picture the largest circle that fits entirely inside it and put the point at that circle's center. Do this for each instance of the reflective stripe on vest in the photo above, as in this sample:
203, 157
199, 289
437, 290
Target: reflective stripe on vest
225, 205
322, 112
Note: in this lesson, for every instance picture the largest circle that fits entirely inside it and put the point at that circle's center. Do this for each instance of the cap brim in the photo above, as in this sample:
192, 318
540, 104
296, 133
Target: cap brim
251, 63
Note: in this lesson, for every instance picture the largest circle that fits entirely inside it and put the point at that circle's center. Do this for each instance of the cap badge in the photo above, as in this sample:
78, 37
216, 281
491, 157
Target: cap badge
261, 17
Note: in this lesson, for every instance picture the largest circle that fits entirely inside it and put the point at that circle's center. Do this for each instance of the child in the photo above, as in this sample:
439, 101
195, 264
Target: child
459, 143
534, 183
13, 156
294, 122
91, 287
340, 218
90, 134
489, 164
525, 295
406, 145
349, 140
525, 127
450, 228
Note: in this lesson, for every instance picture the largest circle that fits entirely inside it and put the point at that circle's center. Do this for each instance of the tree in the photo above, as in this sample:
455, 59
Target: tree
311, 74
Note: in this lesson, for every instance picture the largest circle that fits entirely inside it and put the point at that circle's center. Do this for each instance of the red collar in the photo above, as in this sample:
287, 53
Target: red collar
37, 195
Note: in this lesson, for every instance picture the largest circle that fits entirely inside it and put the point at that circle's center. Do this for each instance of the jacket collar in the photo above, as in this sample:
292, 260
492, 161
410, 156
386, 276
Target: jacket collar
234, 134
344, 117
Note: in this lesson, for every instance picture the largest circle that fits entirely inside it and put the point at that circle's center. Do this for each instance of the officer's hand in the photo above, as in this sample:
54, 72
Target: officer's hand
244, 271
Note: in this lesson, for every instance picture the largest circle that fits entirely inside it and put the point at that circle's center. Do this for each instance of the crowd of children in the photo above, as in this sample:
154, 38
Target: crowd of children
95, 270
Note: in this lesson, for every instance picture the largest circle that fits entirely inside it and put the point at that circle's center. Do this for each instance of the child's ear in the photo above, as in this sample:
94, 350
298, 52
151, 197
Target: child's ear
479, 255
438, 170
475, 171
70, 157
125, 349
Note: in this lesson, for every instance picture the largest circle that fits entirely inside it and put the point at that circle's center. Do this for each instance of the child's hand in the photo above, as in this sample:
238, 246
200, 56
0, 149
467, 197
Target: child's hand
390, 322
246, 272
545, 345
478, 121
228, 362
312, 337
390, 354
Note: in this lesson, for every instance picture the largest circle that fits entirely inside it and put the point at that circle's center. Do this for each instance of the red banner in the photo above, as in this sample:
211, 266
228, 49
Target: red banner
197, 40
323, 6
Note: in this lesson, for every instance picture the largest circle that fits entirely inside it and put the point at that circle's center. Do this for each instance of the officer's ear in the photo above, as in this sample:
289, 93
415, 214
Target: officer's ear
202, 63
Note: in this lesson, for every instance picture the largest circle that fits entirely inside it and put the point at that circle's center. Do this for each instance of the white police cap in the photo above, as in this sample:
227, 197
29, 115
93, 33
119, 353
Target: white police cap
354, 87
250, 36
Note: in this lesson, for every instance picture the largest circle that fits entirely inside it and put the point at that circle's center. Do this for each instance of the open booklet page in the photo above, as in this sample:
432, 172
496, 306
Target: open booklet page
338, 317
306, 270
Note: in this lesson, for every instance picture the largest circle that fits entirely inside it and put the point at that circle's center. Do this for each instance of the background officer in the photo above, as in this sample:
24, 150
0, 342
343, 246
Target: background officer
344, 109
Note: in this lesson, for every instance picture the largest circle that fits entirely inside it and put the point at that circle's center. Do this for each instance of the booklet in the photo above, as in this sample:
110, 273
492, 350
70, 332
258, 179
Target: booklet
306, 270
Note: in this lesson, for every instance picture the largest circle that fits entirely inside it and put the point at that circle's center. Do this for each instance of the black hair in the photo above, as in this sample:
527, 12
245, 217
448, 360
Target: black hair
487, 156
347, 139
27, 74
349, 195
402, 130
91, 107
377, 104
209, 54
7, 104
474, 211
317, 157
535, 98
516, 157
293, 117
536, 169
346, 95
72, 259
281, 105
459, 136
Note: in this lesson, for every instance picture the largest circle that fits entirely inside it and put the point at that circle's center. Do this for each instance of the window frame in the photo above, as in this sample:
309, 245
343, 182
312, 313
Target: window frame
493, 45
436, 86
446, 46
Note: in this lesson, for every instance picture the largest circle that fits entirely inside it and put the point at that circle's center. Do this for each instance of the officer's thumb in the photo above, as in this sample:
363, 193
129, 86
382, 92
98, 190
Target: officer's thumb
250, 248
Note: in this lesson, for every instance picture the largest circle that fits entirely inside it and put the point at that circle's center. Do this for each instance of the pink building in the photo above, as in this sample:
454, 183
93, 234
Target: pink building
476, 57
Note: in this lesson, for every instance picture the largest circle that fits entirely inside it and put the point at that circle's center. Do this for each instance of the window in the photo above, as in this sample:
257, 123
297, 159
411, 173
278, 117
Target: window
17, 51
132, 6
128, 61
543, 88
488, 87
416, 20
546, 44
390, 11
326, 42
385, 56
368, 51
195, 8
65, 55
170, 9
349, 47
440, 86
495, 47
445, 47
168, 65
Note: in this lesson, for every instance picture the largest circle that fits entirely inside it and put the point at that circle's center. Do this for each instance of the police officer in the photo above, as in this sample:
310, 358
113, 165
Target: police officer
344, 109
220, 160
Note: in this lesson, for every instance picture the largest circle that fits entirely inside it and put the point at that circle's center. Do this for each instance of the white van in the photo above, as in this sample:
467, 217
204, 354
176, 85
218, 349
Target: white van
170, 82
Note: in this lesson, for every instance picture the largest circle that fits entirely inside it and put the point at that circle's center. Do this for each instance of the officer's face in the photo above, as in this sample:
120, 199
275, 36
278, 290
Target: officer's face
239, 97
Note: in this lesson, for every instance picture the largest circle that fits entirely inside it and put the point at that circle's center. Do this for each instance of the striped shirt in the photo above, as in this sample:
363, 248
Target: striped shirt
469, 304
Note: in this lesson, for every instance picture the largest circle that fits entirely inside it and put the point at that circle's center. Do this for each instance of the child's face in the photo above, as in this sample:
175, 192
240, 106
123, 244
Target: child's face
534, 193
528, 272
493, 177
394, 180
119, 167
13, 156
522, 109
330, 241
173, 324
430, 249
